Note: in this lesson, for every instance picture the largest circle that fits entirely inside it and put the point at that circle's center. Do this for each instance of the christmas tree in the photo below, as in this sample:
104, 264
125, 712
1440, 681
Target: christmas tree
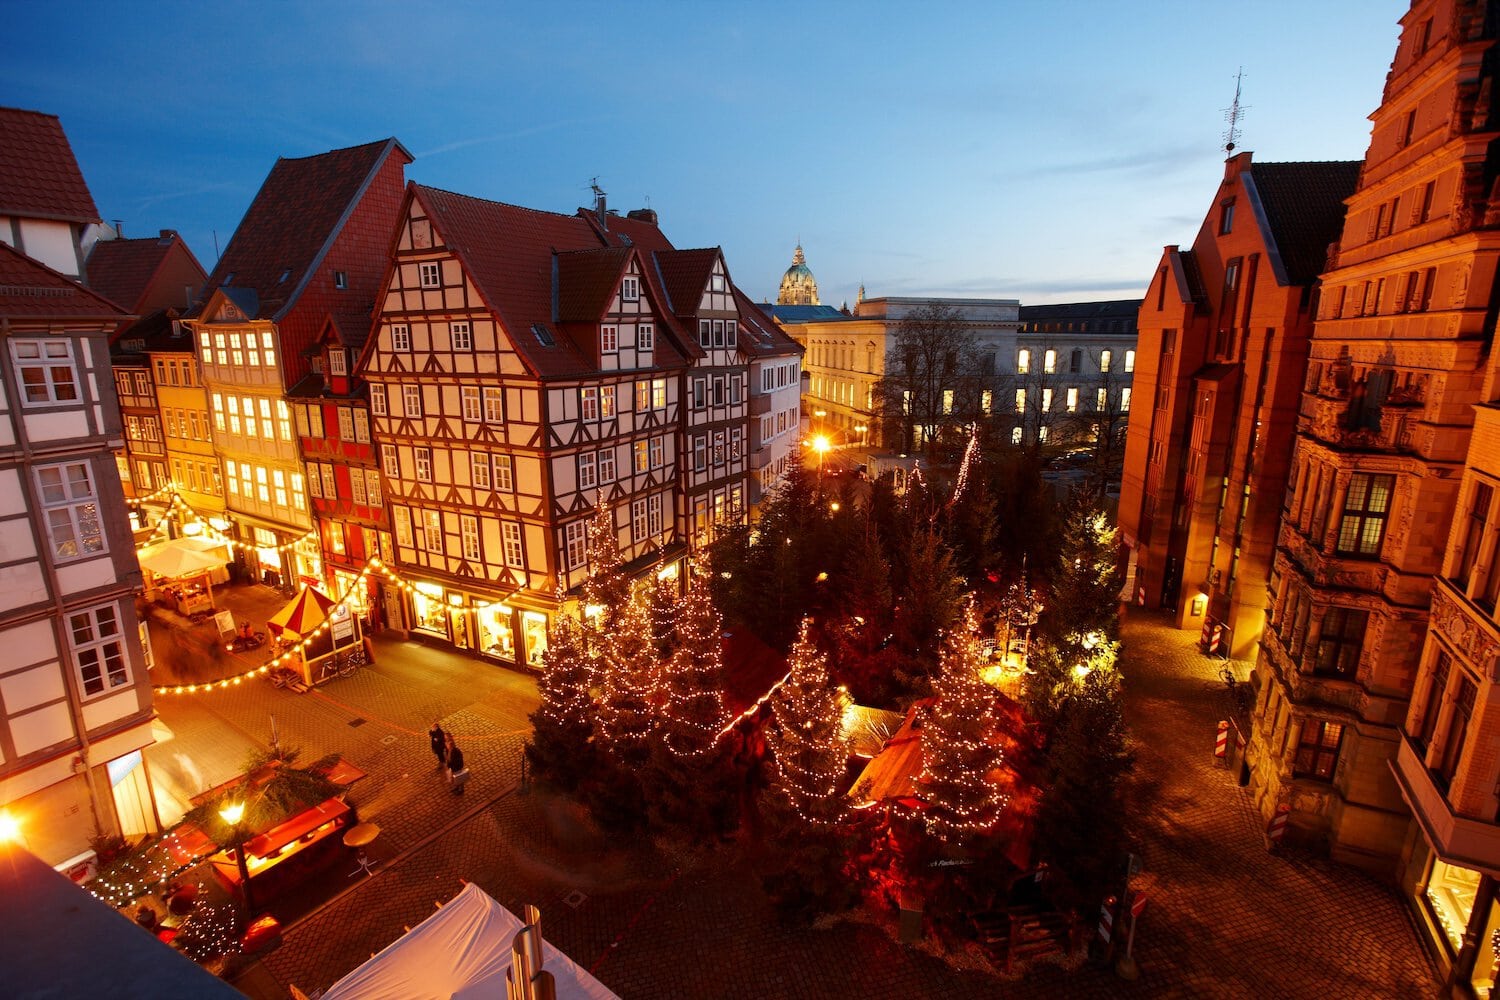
958, 747
560, 751
802, 809
807, 742
607, 588
690, 788
1082, 613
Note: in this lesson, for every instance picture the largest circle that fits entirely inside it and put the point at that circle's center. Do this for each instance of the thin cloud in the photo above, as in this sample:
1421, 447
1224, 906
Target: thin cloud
1144, 160
480, 140
157, 199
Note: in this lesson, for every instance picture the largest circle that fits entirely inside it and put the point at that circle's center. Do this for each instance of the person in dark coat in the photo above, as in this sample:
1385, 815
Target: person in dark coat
456, 771
439, 740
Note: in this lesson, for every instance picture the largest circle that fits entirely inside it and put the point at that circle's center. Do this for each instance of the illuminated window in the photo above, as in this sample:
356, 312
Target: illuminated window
1366, 506
947, 400
1023, 362
1072, 401
504, 481
468, 396
402, 519
389, 461
607, 402
494, 411
372, 487
1101, 400
1104, 359
986, 401
1340, 639
1318, 749
1020, 400
588, 407
71, 510
642, 459
1129, 361
659, 394
1125, 400
1049, 362
1046, 400
377, 400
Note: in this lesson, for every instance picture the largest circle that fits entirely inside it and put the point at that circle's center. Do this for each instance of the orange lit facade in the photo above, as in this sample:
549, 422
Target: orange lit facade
1397, 370
1221, 350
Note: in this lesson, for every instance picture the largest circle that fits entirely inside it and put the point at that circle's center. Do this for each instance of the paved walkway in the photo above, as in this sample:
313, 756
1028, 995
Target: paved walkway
1225, 917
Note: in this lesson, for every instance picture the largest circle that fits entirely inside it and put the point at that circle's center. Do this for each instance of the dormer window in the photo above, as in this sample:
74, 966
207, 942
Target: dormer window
716, 283
229, 278
630, 289
340, 279
337, 363
609, 339
645, 337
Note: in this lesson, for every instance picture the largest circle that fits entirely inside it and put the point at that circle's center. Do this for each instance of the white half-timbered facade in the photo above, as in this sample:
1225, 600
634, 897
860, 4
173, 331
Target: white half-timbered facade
75, 696
518, 376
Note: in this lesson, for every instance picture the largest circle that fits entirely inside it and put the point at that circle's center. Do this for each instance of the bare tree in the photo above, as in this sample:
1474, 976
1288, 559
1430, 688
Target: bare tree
1098, 420
931, 391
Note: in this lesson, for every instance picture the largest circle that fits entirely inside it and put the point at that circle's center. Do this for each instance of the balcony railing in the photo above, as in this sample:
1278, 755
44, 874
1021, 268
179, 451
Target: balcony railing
1469, 843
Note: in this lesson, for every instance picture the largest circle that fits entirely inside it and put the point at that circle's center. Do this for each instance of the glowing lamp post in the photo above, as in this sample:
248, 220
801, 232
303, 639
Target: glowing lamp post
233, 814
820, 445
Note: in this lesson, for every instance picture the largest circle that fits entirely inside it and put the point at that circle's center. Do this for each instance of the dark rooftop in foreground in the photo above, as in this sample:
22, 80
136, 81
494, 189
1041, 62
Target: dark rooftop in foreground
57, 940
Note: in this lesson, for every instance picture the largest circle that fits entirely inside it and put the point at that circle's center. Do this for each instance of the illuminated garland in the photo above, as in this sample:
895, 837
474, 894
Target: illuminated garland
150, 879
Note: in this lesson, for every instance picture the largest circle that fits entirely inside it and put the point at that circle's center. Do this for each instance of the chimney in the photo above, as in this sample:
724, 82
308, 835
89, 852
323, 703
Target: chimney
167, 235
600, 207
119, 228
642, 215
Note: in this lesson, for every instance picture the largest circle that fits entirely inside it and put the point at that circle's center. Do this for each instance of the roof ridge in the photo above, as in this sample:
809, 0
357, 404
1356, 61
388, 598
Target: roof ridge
494, 201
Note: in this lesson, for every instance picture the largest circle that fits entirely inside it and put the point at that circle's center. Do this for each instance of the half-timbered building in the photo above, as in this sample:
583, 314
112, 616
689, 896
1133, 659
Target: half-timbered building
312, 244
518, 376
331, 409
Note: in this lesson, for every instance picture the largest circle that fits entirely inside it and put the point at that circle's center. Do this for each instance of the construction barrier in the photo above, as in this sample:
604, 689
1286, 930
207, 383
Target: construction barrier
1137, 904
1107, 919
1221, 742
1276, 829
1211, 639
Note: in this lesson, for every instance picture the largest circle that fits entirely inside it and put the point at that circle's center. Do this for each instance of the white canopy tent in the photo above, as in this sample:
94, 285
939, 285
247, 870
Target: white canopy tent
461, 952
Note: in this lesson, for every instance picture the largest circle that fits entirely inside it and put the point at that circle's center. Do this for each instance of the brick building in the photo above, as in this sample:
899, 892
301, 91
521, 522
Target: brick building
1223, 343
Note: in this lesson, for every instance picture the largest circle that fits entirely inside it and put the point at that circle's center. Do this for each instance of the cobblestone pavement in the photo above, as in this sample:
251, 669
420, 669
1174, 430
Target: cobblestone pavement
1225, 918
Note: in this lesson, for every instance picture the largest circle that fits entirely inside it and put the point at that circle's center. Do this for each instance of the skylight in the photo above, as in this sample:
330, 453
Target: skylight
543, 334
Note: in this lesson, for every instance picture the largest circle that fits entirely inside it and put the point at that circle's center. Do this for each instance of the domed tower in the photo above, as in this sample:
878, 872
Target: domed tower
798, 286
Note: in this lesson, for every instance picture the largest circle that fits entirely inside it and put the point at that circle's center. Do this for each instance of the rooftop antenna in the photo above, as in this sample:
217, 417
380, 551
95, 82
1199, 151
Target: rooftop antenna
1233, 114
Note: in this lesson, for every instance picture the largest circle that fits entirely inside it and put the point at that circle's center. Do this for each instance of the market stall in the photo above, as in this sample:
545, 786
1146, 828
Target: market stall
179, 573
464, 949
320, 626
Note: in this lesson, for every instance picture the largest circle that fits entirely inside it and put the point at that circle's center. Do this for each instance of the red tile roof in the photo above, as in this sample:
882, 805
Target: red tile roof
1304, 206
31, 290
684, 274
39, 176
122, 269
525, 264
293, 220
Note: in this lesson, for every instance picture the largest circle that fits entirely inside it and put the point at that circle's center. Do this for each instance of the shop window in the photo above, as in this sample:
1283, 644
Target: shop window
497, 635
534, 624
1318, 749
1451, 892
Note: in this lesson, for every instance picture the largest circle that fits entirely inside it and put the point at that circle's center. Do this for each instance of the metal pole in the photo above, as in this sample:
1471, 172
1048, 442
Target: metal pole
1126, 968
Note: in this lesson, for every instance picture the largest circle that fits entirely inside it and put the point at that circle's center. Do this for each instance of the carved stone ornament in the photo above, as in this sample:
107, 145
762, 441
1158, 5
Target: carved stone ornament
1458, 628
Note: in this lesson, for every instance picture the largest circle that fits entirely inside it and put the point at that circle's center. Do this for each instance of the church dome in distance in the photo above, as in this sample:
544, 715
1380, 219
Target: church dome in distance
798, 286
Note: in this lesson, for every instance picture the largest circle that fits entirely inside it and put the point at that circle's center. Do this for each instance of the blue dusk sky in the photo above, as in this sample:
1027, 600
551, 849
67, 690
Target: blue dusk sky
1044, 150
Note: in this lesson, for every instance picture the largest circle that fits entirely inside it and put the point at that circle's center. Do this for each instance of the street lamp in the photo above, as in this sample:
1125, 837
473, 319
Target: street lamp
820, 445
232, 814
10, 829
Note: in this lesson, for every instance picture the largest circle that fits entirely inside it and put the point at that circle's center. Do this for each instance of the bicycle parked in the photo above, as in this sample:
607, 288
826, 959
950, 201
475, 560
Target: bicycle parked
344, 661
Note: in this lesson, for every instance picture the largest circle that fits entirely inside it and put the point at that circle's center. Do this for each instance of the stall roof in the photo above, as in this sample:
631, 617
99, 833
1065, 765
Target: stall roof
461, 951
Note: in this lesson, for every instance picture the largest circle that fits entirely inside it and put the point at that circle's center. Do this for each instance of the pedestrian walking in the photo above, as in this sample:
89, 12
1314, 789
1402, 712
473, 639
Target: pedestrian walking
439, 740
458, 774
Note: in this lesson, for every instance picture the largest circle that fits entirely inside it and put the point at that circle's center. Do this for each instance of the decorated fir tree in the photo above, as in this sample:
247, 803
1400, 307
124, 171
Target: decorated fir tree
1082, 611
690, 788
607, 589
958, 747
561, 747
802, 809
807, 744
929, 602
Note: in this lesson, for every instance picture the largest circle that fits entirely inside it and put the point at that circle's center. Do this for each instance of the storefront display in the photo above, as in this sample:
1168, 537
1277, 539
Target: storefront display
266, 556
1450, 893
497, 633
429, 609
534, 627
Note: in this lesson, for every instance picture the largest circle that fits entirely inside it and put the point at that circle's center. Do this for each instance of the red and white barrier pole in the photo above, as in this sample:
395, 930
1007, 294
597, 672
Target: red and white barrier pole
1221, 742
1276, 829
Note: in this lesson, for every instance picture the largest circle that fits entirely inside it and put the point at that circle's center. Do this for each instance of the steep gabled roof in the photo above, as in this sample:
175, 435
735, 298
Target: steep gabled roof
293, 221
524, 261
157, 331
762, 337
124, 270
39, 175
1302, 208
31, 290
586, 282
684, 276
